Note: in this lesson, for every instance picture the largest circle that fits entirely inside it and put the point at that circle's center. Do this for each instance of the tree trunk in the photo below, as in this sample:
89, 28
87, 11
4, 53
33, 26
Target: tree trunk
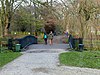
51, 2
7, 25
2, 29
6, 29
5, 32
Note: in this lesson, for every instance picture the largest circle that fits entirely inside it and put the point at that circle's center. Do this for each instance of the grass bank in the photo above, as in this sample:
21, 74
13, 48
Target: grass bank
8, 57
89, 59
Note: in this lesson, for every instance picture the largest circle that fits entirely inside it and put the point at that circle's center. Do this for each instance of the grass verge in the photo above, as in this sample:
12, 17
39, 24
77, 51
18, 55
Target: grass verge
8, 57
89, 59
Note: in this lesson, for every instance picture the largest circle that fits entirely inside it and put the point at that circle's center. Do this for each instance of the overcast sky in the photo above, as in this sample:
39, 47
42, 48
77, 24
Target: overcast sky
53, 0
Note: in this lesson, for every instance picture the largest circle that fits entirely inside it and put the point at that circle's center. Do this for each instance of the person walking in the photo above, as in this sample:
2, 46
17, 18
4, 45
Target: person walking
70, 40
50, 38
45, 38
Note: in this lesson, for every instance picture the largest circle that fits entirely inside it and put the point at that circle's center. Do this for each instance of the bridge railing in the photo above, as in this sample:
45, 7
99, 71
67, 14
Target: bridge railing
25, 41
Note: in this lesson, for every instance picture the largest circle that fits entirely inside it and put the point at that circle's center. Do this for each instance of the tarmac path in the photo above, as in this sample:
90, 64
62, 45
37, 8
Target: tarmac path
43, 59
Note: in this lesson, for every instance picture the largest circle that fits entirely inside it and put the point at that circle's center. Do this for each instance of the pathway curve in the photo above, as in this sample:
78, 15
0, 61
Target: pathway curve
43, 60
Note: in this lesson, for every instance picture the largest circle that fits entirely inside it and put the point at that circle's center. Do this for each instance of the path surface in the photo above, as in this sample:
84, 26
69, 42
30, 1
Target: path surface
43, 60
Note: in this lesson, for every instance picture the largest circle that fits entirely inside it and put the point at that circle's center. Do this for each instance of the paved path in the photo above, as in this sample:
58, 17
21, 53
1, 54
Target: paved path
43, 60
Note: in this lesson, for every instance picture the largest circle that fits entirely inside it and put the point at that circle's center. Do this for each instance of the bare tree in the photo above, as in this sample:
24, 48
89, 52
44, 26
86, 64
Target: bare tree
7, 9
